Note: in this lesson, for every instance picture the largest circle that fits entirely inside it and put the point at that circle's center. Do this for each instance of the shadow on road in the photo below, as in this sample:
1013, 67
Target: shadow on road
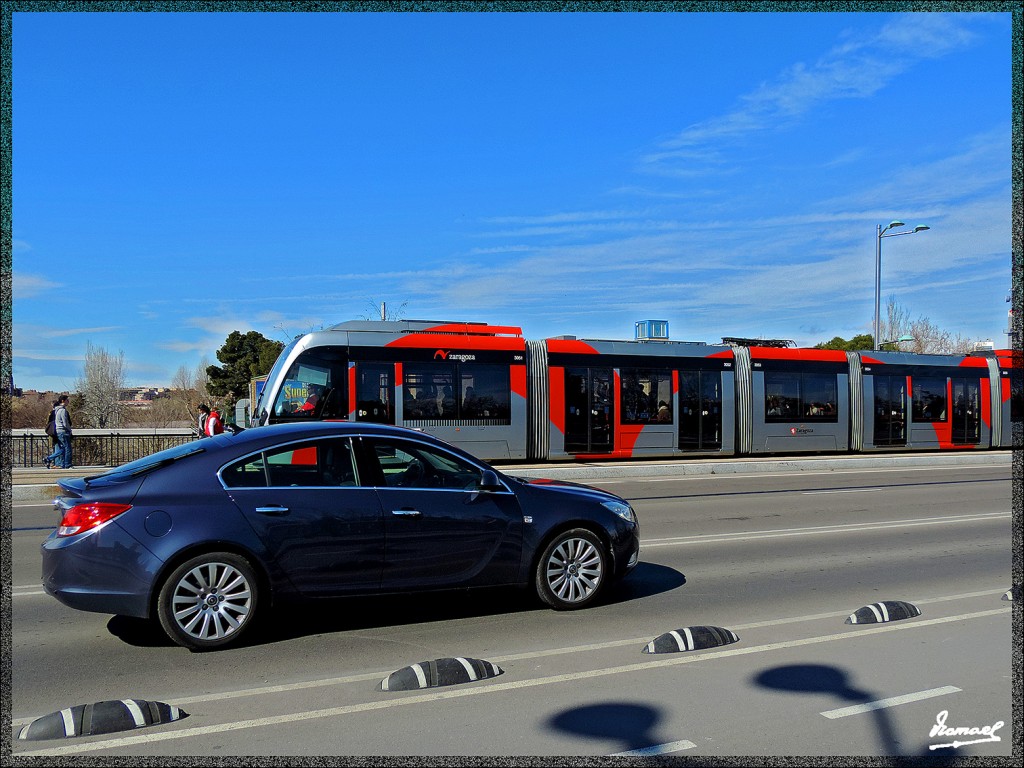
632, 725
835, 683
306, 618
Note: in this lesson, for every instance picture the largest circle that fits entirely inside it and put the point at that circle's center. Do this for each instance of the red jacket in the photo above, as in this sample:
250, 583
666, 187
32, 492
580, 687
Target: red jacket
213, 424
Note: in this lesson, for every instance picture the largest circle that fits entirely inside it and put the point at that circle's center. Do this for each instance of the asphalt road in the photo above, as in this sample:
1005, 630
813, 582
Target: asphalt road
780, 560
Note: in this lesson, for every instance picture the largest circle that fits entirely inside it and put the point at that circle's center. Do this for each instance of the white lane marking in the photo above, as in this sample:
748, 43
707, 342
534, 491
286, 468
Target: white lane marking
498, 687
36, 589
658, 749
573, 649
807, 473
841, 490
714, 538
892, 701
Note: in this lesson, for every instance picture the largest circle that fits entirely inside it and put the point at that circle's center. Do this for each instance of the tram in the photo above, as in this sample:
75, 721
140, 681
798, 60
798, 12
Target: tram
501, 397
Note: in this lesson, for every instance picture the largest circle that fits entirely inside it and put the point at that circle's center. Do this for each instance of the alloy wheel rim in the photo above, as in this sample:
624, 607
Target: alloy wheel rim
574, 570
211, 601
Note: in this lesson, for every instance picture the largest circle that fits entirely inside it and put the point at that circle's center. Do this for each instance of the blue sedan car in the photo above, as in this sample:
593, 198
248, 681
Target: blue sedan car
207, 536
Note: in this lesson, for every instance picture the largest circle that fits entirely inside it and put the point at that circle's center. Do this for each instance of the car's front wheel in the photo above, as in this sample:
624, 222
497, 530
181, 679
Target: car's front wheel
572, 570
208, 601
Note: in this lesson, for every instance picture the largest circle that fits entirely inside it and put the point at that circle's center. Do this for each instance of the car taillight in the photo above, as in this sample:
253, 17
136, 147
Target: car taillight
83, 517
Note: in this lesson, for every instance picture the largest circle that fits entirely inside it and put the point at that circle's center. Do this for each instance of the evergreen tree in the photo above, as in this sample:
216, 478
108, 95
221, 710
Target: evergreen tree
243, 358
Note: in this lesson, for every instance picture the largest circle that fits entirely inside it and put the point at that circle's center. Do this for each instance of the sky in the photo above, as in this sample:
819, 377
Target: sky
178, 176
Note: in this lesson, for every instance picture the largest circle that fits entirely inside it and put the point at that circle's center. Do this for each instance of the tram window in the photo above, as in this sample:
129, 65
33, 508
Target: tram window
781, 396
314, 388
642, 392
426, 387
374, 391
479, 394
819, 393
800, 397
929, 399
485, 393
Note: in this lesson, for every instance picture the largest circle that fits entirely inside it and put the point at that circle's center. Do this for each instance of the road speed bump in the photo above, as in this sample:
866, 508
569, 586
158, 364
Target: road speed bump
439, 672
101, 717
1011, 593
887, 610
691, 639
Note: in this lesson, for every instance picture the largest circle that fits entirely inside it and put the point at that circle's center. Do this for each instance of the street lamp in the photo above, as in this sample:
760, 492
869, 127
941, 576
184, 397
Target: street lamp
878, 263
897, 342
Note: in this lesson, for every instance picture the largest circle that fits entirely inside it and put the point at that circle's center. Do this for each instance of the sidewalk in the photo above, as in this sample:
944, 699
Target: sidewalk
40, 484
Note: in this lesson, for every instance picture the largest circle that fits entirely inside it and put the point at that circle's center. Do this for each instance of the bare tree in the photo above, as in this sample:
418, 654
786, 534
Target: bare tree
381, 311
188, 389
100, 387
927, 338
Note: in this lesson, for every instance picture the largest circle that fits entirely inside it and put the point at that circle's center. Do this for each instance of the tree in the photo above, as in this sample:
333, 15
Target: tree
382, 312
31, 411
189, 389
861, 341
100, 387
244, 357
926, 337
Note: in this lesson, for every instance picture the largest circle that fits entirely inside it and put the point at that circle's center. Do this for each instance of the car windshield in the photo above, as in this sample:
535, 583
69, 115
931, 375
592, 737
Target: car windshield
153, 461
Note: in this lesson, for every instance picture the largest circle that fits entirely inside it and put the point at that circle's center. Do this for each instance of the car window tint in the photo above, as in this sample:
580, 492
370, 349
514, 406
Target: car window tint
410, 465
322, 463
247, 473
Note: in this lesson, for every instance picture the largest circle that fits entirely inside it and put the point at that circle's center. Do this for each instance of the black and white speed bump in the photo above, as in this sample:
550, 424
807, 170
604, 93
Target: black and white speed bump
101, 717
439, 672
1012, 593
691, 639
887, 610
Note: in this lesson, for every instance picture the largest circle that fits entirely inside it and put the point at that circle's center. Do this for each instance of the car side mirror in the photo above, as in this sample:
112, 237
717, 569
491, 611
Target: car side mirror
489, 481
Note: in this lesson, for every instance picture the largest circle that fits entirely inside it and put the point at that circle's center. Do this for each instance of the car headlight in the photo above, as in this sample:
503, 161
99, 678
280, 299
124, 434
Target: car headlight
620, 508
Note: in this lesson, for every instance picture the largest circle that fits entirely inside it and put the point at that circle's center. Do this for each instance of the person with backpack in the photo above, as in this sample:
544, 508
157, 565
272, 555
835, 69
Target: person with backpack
61, 456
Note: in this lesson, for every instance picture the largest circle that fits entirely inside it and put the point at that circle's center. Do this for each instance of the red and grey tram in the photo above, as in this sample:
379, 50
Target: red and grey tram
505, 398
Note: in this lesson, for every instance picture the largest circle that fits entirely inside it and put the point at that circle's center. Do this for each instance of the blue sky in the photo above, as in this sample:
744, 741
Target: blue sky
178, 176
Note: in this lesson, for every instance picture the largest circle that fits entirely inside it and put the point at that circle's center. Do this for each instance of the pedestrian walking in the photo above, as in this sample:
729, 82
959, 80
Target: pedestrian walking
51, 430
62, 423
204, 414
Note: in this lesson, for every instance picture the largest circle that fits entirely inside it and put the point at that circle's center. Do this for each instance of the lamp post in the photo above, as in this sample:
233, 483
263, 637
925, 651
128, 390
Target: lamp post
900, 340
878, 264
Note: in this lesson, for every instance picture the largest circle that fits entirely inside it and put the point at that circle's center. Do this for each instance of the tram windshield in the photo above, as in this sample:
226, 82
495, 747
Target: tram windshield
313, 388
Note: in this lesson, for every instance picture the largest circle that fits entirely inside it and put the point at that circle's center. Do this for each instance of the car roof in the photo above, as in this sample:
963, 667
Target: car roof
271, 434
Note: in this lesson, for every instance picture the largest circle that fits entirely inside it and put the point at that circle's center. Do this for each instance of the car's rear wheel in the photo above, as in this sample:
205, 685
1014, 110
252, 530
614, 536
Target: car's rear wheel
208, 601
572, 570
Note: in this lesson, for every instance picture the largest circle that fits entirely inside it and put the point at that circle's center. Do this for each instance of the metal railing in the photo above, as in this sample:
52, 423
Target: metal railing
95, 447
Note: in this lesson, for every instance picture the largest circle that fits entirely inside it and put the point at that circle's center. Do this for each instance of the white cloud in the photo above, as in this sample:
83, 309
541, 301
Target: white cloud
850, 70
25, 286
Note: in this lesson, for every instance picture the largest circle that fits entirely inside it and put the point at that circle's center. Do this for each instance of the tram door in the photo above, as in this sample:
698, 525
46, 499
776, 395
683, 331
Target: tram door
966, 409
588, 410
890, 410
374, 388
700, 410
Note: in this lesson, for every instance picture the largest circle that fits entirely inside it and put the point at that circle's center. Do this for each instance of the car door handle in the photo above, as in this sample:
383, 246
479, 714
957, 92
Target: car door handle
406, 512
273, 511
